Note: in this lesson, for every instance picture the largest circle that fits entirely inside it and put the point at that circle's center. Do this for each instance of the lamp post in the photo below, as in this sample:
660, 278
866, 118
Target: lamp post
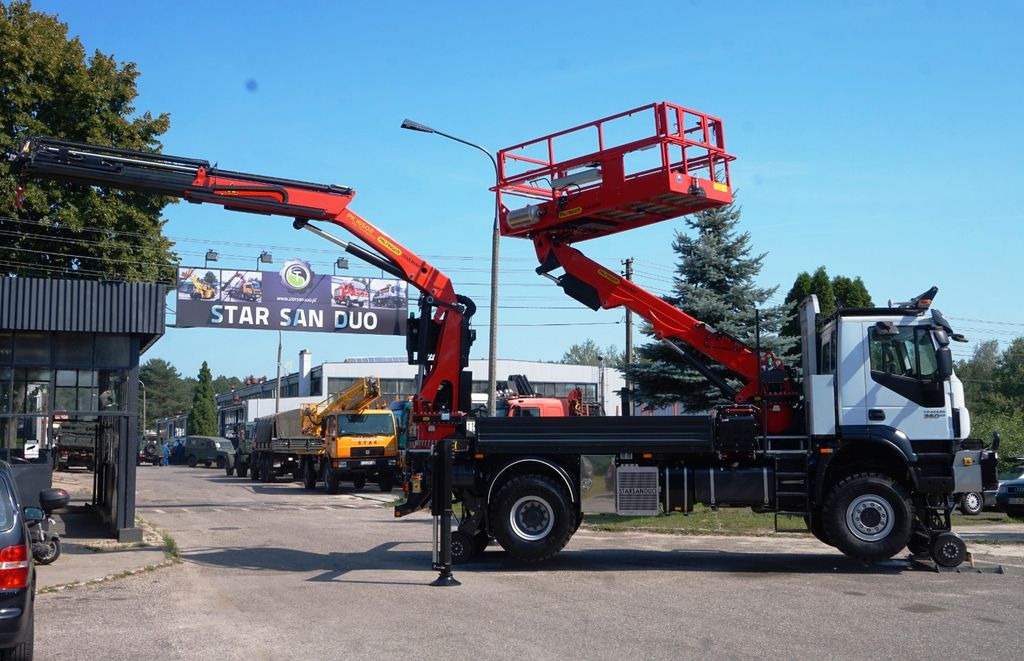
143, 408
340, 263
265, 258
211, 256
492, 349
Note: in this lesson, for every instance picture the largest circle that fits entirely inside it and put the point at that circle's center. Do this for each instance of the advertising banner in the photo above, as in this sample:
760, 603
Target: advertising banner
292, 299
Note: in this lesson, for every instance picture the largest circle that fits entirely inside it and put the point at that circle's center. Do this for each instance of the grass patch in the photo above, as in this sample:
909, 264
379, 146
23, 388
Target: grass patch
171, 550
702, 521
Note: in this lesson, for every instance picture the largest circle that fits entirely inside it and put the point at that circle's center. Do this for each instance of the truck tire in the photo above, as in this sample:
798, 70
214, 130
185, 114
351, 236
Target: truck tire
359, 482
229, 465
332, 483
386, 482
221, 461
267, 475
868, 517
308, 475
191, 461
972, 503
241, 468
254, 468
463, 547
815, 524
532, 518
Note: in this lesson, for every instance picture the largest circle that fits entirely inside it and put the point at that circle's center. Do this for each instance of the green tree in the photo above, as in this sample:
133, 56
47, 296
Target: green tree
588, 352
993, 382
223, 384
715, 283
202, 419
166, 392
851, 293
50, 87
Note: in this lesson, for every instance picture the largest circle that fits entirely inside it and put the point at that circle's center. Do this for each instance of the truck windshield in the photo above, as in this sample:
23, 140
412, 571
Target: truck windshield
366, 424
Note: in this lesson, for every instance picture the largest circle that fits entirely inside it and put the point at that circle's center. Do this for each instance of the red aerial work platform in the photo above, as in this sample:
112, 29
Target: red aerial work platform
635, 168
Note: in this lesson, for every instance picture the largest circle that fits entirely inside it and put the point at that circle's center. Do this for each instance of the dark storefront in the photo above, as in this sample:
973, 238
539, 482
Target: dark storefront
69, 366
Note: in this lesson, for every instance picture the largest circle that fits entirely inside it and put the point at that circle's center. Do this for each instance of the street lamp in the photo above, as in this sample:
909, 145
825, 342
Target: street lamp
143, 408
492, 349
211, 256
265, 258
340, 263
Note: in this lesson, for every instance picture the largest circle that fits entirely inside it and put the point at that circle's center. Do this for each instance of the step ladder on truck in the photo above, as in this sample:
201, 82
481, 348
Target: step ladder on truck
866, 450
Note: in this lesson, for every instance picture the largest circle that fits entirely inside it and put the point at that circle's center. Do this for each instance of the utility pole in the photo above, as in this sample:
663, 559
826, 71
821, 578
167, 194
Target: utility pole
627, 391
277, 390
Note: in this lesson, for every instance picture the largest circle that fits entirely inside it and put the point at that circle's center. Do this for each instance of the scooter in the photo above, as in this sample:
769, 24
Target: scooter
45, 541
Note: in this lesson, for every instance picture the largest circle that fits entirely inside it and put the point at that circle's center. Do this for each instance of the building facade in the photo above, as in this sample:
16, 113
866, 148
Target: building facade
69, 366
398, 381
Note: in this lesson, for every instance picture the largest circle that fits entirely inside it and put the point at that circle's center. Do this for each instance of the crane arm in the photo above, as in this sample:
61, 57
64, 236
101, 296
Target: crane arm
356, 397
442, 334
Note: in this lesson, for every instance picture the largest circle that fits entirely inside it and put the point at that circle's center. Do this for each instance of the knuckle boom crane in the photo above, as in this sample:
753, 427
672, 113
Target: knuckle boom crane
439, 339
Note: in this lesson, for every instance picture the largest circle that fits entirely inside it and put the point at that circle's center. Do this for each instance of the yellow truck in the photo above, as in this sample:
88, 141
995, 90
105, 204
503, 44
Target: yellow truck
359, 439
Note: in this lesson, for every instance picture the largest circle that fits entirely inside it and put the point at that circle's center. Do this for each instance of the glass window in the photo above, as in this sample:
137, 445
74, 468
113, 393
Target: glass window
526, 412
65, 399
111, 386
67, 378
902, 351
366, 424
72, 349
6, 348
112, 351
31, 349
6, 513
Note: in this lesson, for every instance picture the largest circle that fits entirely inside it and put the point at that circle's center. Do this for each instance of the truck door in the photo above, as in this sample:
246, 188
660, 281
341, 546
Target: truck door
901, 390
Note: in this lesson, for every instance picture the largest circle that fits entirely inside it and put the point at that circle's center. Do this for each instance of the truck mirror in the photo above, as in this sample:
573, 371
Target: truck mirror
941, 337
944, 360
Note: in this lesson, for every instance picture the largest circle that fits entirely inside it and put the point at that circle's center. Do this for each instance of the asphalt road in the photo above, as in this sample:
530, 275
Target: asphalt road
274, 572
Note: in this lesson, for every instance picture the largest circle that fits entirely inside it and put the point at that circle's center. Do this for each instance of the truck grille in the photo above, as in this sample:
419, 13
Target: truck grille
636, 490
367, 451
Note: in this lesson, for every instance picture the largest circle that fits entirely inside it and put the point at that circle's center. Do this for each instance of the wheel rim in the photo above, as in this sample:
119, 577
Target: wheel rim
870, 518
531, 518
971, 500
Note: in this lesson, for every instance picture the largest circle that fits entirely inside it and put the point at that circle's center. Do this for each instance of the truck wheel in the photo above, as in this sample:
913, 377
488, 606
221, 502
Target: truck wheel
481, 541
868, 517
817, 527
948, 550
191, 461
971, 503
359, 482
254, 468
308, 475
532, 518
331, 480
463, 547
267, 475
242, 468
386, 482
229, 465
221, 462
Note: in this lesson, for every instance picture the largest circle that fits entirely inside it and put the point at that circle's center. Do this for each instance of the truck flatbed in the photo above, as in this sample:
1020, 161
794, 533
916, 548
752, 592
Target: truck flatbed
596, 435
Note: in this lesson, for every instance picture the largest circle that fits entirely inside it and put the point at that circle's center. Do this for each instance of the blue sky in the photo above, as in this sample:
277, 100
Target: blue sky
878, 139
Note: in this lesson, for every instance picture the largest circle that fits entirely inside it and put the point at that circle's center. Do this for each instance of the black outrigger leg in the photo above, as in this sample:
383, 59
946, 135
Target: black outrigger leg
441, 509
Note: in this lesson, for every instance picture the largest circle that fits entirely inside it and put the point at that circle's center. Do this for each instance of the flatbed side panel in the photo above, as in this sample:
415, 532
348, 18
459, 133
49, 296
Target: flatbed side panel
693, 434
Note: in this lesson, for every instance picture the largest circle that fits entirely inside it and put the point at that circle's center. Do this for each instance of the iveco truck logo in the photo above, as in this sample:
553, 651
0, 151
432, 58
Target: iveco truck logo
296, 275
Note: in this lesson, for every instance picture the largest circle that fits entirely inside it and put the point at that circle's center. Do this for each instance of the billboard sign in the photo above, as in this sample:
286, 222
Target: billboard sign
294, 298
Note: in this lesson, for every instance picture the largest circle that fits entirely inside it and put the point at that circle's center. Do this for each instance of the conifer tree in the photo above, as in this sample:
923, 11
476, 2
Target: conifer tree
202, 419
715, 283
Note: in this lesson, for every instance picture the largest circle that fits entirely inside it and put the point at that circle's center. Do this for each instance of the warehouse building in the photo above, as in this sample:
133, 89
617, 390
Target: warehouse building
398, 381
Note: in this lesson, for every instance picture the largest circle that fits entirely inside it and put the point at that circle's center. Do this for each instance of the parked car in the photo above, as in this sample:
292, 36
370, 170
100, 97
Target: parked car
1010, 497
17, 571
972, 503
207, 450
151, 451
